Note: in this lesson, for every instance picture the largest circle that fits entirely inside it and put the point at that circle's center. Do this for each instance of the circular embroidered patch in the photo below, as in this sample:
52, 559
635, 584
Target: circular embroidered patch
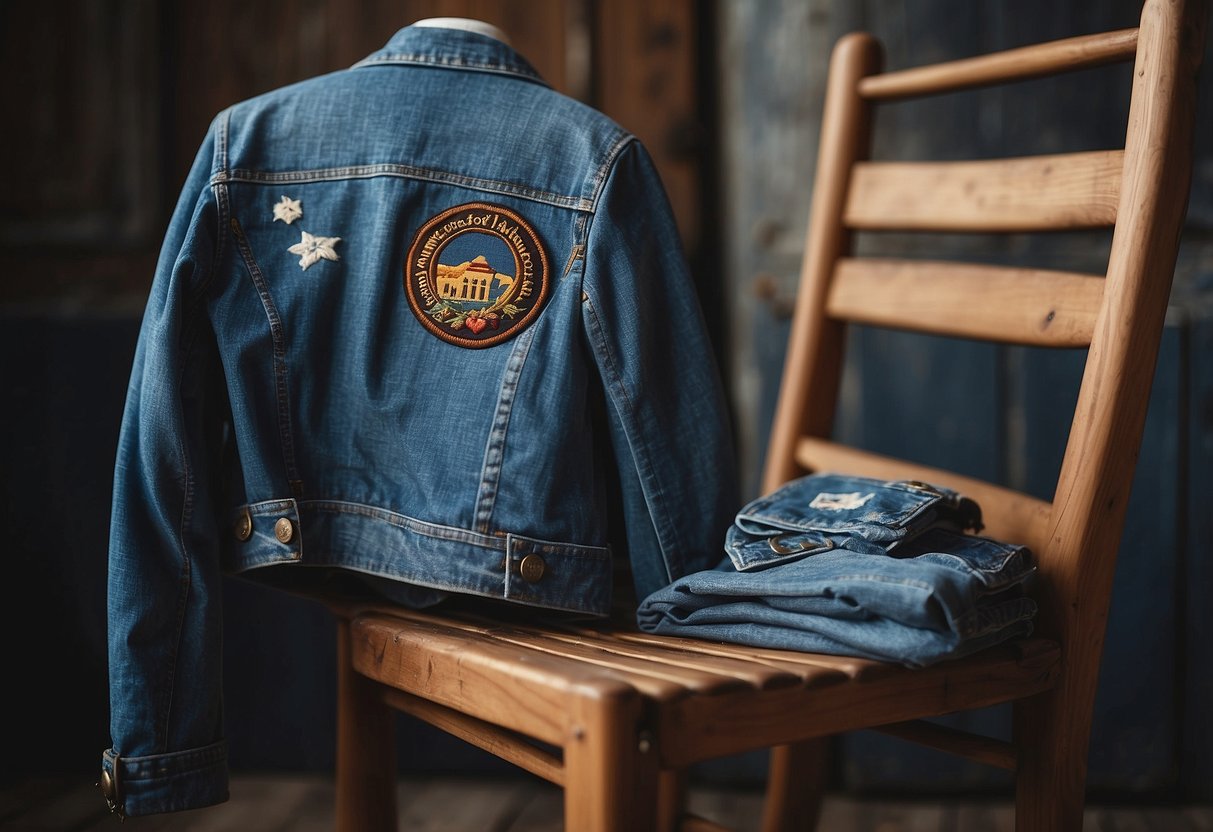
476, 274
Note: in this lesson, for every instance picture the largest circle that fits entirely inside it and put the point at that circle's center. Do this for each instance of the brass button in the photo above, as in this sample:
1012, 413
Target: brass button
244, 527
284, 530
532, 568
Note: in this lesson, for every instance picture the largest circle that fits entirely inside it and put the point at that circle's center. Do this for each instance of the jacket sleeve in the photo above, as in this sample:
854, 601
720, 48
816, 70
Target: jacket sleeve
163, 611
668, 419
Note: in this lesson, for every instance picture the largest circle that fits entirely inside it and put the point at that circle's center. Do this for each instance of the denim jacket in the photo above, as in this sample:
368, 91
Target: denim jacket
390, 304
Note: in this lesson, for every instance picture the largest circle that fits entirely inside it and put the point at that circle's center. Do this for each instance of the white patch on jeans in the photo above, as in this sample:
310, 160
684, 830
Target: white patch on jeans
313, 248
288, 210
840, 502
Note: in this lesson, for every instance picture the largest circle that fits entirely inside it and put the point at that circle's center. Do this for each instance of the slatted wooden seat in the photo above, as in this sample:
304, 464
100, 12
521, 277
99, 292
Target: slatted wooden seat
615, 716
472, 675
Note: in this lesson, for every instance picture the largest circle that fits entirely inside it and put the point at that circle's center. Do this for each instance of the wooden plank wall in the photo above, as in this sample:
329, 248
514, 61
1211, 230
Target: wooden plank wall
1196, 573
121, 94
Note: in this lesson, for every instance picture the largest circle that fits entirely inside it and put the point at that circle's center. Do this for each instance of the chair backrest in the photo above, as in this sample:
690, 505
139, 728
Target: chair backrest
1140, 191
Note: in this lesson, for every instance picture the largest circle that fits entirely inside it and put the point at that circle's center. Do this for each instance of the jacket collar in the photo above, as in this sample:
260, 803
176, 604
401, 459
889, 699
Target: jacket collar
451, 49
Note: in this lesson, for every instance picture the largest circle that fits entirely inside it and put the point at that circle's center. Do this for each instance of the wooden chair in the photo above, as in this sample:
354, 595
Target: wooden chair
615, 716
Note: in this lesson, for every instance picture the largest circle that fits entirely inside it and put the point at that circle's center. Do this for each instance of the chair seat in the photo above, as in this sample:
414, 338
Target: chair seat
521, 677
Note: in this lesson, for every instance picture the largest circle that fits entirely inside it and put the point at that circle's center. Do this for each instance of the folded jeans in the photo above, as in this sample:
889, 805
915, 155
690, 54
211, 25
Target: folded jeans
853, 566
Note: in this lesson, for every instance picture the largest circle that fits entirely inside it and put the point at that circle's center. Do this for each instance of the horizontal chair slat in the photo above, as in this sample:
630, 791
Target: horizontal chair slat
971, 746
1009, 305
507, 745
464, 671
1032, 193
741, 722
1021, 519
1012, 65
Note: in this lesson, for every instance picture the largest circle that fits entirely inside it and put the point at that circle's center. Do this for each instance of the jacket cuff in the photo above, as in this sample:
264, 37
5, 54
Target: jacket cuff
171, 782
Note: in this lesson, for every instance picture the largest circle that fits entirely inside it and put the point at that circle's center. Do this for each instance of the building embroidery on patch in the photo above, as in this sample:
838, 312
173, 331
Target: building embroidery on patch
476, 274
840, 502
288, 210
313, 248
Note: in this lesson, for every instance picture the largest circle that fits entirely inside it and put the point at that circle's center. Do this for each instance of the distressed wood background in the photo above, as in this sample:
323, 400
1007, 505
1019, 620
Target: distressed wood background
108, 99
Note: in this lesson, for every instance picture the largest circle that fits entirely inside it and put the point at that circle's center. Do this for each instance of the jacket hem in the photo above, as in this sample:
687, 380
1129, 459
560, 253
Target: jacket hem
372, 540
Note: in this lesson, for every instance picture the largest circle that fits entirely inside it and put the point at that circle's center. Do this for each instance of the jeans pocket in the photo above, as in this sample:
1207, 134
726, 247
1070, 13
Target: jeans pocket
822, 511
751, 552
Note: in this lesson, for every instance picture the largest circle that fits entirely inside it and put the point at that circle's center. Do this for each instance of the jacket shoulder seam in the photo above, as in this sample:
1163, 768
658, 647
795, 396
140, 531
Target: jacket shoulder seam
603, 174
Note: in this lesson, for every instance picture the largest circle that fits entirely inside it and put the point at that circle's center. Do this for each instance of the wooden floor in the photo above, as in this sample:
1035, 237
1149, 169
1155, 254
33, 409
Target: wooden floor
305, 804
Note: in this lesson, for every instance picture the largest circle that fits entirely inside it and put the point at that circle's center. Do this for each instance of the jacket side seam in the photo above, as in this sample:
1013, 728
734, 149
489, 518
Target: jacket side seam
651, 488
281, 375
494, 451
189, 339
297, 177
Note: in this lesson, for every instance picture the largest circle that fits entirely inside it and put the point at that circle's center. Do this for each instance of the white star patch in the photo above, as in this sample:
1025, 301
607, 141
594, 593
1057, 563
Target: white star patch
288, 210
312, 249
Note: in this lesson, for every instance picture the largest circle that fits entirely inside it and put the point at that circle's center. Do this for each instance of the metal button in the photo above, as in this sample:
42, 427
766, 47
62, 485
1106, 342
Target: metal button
532, 568
107, 788
780, 548
284, 530
244, 527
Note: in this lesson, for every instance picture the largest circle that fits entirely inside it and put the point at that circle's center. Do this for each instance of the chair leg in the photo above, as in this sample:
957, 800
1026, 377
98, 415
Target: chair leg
366, 749
1050, 781
671, 799
796, 785
610, 767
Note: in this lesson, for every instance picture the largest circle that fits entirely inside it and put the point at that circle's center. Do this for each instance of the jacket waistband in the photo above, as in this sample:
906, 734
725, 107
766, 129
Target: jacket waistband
375, 541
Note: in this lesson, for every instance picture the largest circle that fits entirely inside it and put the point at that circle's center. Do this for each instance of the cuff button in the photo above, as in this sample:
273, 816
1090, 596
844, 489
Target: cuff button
108, 789
284, 530
244, 527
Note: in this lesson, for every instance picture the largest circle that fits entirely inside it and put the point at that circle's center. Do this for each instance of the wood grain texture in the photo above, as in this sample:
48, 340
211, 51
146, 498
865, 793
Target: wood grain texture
1065, 55
794, 797
506, 745
366, 754
702, 727
1011, 305
813, 365
981, 749
1034, 193
645, 57
1096, 473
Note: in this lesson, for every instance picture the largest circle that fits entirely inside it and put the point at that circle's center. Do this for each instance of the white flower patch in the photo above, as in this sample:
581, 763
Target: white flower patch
288, 210
312, 249
840, 502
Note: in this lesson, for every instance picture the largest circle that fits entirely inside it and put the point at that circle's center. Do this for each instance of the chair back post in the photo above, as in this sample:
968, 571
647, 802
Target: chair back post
1078, 564
815, 346
1096, 474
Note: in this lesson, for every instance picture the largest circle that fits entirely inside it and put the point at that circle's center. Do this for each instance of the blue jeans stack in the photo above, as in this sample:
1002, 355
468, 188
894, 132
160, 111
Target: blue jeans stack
855, 566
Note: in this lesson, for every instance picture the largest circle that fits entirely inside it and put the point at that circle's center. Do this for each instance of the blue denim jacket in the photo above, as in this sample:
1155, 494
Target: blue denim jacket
388, 307
855, 566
